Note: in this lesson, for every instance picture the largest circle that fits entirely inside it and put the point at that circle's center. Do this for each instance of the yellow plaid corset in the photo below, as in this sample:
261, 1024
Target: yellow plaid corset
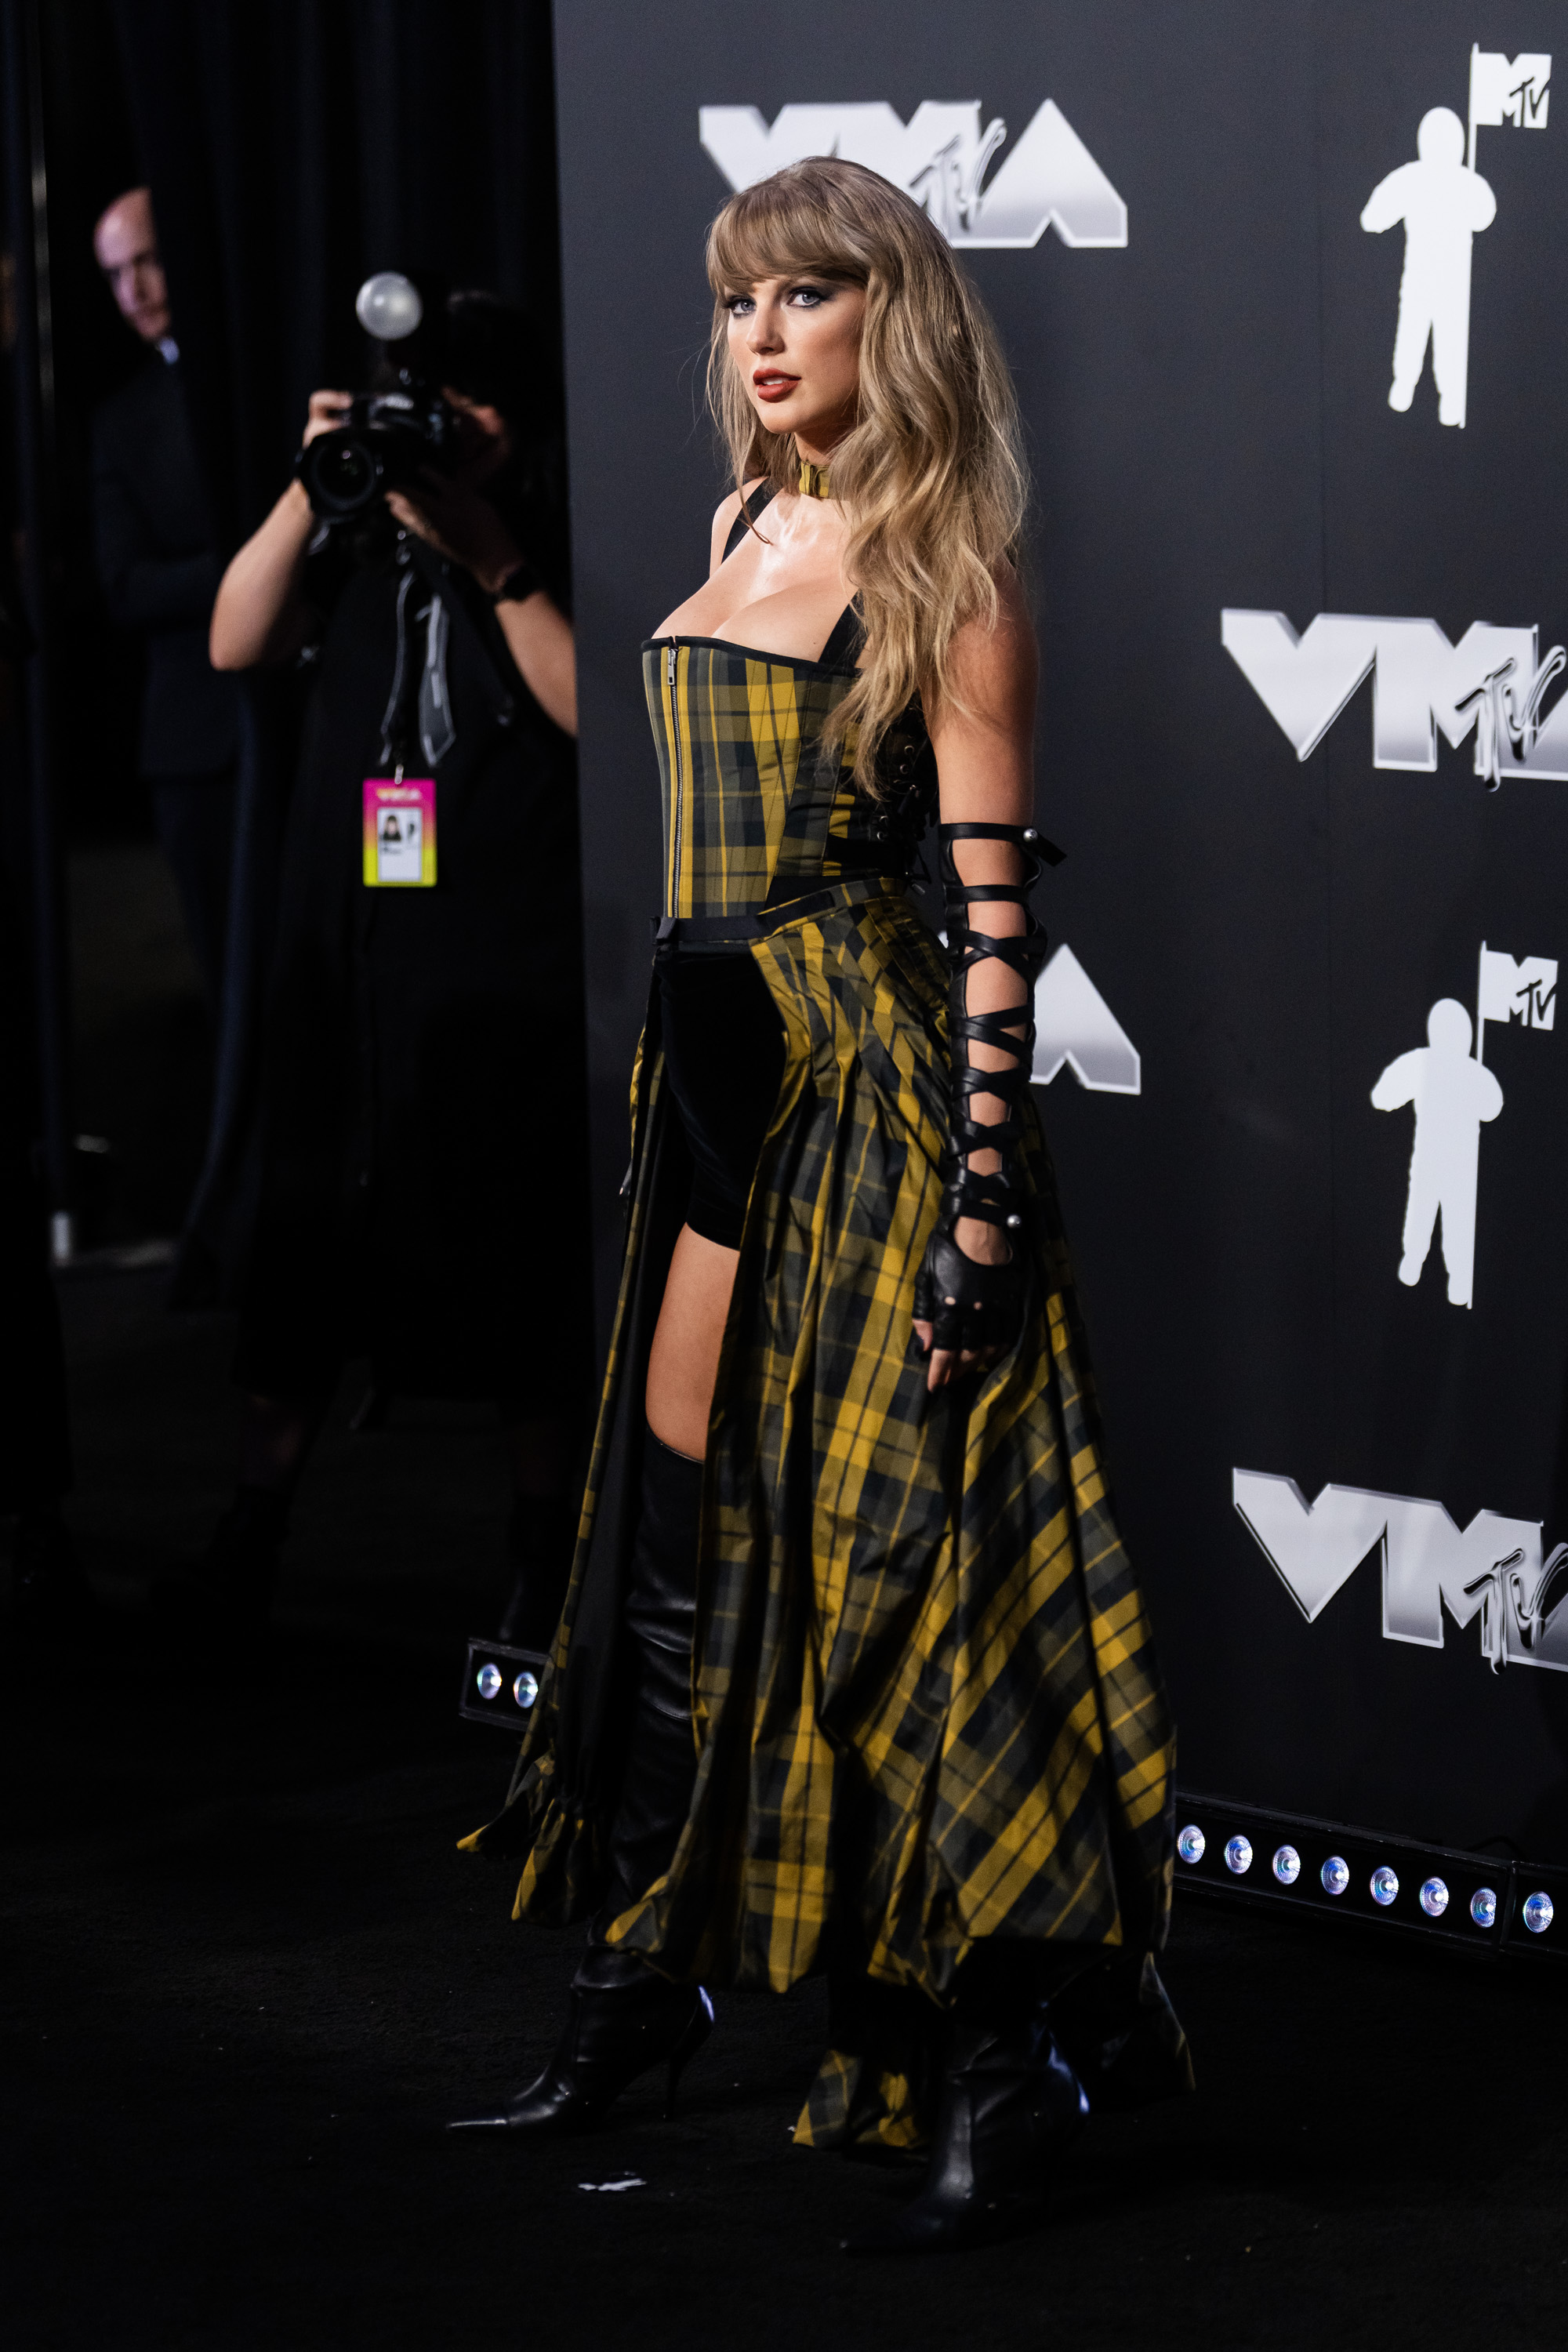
752, 811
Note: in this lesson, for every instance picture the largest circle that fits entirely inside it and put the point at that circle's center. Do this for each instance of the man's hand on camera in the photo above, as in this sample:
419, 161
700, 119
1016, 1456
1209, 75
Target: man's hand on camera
460, 524
328, 410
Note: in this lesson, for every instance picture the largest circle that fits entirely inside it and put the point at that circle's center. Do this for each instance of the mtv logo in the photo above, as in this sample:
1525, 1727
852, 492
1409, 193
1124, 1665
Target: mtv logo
1516, 988
1491, 1570
1509, 89
940, 157
1491, 682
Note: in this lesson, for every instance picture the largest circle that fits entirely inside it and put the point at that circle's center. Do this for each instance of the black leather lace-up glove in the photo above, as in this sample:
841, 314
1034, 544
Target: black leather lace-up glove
967, 1305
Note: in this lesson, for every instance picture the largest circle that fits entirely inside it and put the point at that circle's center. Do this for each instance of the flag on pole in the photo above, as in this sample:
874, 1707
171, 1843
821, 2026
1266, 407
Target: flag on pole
1508, 89
1521, 989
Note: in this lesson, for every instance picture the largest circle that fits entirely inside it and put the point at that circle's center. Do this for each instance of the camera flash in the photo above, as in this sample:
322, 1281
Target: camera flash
388, 305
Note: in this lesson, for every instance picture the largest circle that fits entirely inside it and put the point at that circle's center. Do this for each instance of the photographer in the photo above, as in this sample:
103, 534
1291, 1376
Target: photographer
423, 1058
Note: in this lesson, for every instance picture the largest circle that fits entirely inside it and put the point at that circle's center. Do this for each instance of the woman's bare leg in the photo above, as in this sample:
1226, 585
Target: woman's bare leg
683, 1362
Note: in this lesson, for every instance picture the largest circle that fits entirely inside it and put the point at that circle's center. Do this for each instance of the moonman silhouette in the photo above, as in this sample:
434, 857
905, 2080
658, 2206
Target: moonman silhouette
1453, 1097
1443, 203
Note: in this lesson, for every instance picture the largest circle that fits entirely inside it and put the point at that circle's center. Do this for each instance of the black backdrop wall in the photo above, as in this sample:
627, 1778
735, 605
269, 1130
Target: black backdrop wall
1209, 409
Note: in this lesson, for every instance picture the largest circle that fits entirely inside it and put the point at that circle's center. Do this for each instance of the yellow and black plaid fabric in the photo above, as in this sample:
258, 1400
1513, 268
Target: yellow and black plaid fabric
749, 806
924, 1698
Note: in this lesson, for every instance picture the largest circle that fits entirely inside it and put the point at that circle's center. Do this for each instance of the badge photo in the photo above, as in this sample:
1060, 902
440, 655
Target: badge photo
399, 832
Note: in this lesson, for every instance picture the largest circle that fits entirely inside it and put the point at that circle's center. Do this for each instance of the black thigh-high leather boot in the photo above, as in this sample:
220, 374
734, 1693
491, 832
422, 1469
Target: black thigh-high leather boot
1008, 2104
625, 2017
660, 1619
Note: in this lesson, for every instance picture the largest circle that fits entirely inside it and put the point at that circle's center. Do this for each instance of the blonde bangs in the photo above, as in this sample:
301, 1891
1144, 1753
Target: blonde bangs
761, 233
930, 479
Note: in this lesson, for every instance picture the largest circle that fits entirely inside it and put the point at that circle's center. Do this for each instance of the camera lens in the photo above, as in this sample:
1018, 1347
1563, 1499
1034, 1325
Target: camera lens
343, 476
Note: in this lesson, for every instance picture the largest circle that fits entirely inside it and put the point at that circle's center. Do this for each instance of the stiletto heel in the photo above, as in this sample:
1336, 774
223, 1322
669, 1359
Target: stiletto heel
698, 2027
613, 2035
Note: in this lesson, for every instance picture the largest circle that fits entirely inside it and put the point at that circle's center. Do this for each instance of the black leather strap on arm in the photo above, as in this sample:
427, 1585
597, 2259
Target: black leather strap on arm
970, 1305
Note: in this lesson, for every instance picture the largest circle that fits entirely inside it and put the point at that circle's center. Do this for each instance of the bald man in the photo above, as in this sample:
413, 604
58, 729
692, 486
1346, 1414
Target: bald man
159, 561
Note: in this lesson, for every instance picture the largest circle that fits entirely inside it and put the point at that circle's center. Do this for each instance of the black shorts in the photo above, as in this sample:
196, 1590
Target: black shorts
723, 1059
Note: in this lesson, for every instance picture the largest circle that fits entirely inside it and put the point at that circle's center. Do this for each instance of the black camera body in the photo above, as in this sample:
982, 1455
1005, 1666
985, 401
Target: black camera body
387, 441
391, 436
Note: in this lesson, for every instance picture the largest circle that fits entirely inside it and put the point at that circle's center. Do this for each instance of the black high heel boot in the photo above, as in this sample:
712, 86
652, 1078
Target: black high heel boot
625, 2018
1009, 2106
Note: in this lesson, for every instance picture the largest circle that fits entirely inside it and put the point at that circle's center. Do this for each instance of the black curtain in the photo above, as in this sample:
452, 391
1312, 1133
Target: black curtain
296, 145
293, 147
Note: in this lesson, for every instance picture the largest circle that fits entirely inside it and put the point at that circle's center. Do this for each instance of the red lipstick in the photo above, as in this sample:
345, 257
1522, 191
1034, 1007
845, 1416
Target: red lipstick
771, 383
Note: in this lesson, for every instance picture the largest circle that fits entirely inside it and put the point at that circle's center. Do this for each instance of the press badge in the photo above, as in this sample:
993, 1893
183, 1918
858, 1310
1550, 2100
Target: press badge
399, 832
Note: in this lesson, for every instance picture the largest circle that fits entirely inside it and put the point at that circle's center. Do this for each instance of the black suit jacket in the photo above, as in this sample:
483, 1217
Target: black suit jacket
158, 560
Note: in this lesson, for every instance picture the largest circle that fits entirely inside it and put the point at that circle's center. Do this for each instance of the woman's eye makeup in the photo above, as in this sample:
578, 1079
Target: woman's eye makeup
805, 297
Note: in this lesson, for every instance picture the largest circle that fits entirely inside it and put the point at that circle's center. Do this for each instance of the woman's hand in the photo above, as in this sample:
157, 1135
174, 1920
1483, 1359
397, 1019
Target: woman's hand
459, 523
986, 1246
325, 414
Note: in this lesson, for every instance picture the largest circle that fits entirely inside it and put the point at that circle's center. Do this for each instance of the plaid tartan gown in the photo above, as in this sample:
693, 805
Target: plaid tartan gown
924, 1699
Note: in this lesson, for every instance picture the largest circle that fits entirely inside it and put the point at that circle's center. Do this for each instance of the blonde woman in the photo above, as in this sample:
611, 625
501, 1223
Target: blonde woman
853, 1677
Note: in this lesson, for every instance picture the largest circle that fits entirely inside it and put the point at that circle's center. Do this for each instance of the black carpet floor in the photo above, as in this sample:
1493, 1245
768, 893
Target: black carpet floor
246, 1976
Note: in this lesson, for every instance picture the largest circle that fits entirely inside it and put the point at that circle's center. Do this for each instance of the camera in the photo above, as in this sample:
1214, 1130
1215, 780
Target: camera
390, 437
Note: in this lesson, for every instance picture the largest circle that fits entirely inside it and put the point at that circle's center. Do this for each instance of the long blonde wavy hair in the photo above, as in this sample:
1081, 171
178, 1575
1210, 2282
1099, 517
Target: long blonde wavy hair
931, 477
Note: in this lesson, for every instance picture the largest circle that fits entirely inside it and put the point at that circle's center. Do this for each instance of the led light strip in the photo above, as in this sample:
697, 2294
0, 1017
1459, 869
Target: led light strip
1474, 1900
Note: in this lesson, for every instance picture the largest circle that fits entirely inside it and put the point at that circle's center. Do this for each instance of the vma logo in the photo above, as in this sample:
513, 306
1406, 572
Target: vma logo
942, 157
1493, 1569
1490, 683
1075, 1029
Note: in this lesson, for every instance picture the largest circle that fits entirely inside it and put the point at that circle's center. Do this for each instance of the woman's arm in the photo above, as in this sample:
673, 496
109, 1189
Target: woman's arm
984, 754
261, 615
465, 527
539, 637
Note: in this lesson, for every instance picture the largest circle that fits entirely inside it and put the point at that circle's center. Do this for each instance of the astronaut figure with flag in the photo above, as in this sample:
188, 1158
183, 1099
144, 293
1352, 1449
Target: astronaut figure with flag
1443, 203
1453, 1097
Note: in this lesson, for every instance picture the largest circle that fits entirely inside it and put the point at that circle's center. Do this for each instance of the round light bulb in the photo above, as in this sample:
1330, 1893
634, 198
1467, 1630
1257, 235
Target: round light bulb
388, 306
1238, 1855
1287, 1865
1483, 1906
1384, 1886
1434, 1898
1335, 1874
525, 1690
1537, 1913
1191, 1843
488, 1681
